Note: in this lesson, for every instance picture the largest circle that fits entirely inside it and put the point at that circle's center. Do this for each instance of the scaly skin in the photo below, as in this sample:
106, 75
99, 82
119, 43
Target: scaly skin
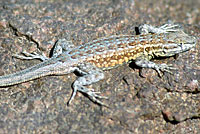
91, 58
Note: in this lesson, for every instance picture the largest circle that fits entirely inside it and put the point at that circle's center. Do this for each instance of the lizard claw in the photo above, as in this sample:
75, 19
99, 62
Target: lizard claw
29, 56
164, 68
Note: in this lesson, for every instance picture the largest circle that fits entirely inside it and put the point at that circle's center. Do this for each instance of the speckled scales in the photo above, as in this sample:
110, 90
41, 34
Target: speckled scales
91, 58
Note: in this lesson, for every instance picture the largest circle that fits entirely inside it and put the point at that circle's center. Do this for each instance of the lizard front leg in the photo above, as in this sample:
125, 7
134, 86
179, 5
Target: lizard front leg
145, 63
166, 28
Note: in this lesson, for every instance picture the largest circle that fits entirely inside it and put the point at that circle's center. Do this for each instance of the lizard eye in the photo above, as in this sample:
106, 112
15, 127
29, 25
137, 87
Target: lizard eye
181, 43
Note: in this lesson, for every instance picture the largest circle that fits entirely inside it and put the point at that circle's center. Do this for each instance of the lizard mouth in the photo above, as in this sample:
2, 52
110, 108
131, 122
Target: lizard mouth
190, 43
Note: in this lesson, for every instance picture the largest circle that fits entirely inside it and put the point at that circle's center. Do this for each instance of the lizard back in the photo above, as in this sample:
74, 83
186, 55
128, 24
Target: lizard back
110, 52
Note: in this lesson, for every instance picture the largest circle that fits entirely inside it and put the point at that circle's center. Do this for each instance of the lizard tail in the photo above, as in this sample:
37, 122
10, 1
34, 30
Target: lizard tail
37, 71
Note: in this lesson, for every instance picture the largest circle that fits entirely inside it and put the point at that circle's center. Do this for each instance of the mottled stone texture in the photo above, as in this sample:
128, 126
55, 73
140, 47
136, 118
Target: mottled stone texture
147, 104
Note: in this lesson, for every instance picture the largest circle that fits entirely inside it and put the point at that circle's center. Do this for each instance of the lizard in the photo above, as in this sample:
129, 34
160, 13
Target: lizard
92, 58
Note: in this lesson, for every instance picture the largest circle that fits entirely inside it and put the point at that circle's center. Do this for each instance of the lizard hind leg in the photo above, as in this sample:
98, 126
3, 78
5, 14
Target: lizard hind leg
31, 56
62, 45
90, 74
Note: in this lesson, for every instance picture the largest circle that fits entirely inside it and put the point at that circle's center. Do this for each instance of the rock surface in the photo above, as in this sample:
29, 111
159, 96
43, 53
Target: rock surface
149, 104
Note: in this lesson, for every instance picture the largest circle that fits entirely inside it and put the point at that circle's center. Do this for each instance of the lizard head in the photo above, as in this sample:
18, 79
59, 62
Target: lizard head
176, 42
184, 41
